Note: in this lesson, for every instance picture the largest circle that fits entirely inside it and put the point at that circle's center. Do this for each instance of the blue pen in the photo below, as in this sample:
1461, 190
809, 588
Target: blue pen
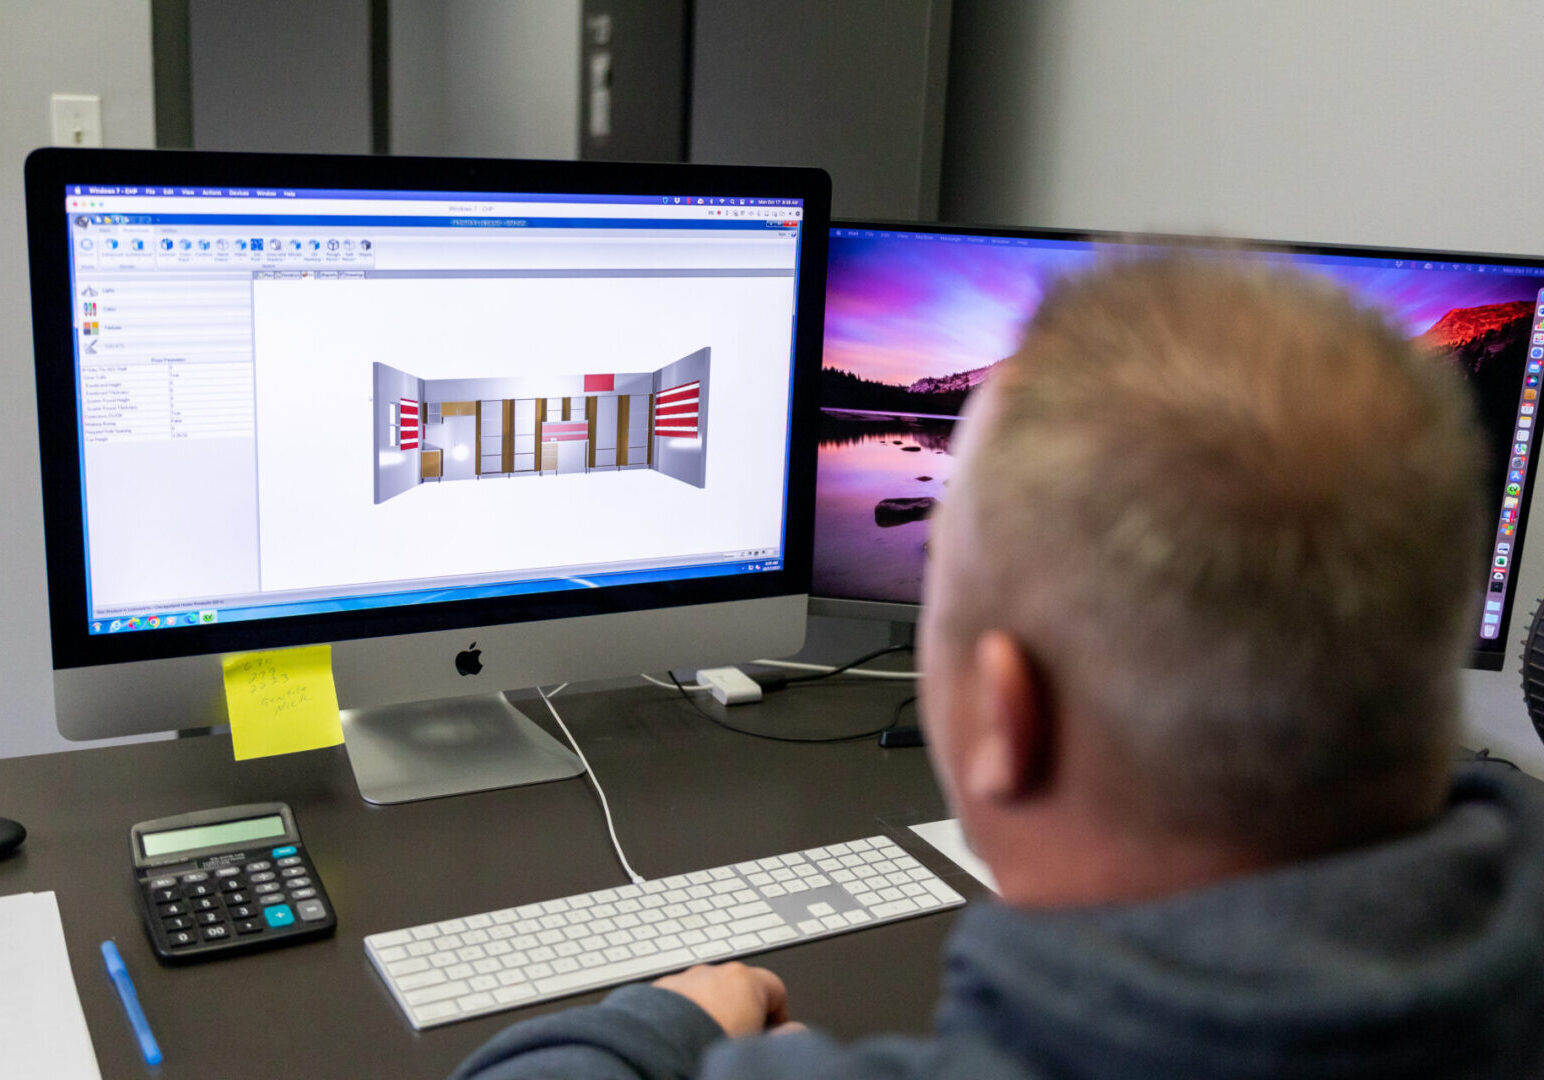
120, 976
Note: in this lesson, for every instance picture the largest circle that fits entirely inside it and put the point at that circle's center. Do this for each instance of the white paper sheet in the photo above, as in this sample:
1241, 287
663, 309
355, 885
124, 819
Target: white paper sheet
42, 1028
948, 838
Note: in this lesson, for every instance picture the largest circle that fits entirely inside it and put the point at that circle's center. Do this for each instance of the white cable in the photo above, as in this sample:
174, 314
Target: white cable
637, 878
862, 673
669, 685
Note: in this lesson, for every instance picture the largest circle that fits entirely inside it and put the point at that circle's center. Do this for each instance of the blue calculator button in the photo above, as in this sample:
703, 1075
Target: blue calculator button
279, 915
280, 852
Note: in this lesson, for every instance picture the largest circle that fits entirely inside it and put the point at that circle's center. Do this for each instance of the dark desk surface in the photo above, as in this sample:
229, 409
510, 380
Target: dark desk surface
685, 794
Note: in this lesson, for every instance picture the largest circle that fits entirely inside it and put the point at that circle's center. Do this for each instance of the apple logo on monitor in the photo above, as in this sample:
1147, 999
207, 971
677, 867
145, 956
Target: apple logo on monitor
469, 660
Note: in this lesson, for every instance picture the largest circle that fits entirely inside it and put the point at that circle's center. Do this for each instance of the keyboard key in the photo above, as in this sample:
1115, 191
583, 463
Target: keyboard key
428, 1014
756, 923
510, 995
430, 994
432, 977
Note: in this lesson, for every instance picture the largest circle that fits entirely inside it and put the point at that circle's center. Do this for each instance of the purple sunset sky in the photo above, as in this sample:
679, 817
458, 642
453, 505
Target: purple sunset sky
898, 309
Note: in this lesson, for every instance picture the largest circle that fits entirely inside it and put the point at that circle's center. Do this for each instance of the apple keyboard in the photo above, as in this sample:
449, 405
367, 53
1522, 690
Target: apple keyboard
441, 972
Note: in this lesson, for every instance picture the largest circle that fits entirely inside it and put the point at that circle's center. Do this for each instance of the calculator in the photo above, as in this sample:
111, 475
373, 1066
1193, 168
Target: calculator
220, 882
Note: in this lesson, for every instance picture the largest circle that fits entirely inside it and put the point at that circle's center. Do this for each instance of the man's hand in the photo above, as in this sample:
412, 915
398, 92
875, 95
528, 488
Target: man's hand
743, 1000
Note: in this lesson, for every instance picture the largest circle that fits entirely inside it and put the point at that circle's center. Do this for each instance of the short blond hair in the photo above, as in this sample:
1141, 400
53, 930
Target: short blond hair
1238, 517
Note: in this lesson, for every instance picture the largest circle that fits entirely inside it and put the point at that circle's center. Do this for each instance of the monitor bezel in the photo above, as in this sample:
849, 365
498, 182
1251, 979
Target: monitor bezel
50, 171
902, 611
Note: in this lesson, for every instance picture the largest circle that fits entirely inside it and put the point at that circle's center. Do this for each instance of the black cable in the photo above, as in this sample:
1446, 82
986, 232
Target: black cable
1483, 756
782, 738
896, 737
865, 658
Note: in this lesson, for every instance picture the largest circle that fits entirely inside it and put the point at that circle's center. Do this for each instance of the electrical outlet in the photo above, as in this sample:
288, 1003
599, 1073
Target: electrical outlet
76, 119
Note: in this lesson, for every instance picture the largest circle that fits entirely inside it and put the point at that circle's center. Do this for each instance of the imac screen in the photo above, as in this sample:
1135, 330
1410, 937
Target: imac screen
917, 317
308, 401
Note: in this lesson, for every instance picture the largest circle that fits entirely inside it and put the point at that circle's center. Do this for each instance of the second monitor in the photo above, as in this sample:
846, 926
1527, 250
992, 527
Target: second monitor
917, 316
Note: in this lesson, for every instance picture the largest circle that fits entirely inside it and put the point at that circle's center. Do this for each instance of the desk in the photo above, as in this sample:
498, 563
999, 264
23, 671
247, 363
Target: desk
686, 795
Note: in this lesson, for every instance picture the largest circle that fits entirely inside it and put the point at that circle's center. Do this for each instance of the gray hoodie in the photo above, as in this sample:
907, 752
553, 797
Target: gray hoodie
1418, 957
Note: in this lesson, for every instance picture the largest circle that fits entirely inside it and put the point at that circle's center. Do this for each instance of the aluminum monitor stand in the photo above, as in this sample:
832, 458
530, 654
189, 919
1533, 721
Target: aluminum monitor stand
452, 746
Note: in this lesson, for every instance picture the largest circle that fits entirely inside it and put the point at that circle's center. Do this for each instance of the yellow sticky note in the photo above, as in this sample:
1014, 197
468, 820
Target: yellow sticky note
282, 701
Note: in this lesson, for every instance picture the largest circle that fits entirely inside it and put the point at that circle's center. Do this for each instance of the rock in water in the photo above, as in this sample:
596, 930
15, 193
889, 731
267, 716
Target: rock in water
891, 512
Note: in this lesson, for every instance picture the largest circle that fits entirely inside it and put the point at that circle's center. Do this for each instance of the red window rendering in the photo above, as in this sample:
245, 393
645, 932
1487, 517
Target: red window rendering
675, 411
409, 410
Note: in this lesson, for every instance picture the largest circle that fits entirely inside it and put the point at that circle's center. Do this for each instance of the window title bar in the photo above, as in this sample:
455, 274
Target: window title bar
181, 192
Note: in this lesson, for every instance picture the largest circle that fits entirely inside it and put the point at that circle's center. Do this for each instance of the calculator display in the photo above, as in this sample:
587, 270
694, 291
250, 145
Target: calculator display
202, 836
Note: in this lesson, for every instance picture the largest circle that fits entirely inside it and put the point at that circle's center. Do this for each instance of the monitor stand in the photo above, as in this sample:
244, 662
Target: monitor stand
428, 749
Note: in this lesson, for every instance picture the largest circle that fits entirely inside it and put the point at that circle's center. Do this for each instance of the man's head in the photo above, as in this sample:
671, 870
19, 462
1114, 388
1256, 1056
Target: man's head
1226, 521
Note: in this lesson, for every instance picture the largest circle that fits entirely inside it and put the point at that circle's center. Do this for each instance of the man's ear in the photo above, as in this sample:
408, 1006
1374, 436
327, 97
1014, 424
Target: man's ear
1012, 755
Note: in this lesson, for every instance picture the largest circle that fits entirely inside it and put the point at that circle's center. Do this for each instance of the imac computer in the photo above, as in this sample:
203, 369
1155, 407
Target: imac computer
476, 425
916, 316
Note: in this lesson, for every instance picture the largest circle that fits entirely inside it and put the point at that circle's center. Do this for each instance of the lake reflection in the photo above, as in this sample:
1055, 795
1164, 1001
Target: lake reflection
864, 458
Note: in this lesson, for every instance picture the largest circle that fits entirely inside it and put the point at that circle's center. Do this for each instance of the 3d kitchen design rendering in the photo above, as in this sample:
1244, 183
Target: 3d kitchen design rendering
434, 430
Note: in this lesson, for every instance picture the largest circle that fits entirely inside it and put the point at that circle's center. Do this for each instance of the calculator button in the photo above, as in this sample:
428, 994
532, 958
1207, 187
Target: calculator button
280, 915
232, 885
292, 871
263, 875
271, 898
266, 887
165, 896
188, 879
198, 890
209, 918
302, 894
249, 926
168, 910
227, 871
254, 867
215, 933
206, 903
311, 910
162, 882
291, 860
179, 938
243, 911
281, 852
176, 924
297, 883
236, 898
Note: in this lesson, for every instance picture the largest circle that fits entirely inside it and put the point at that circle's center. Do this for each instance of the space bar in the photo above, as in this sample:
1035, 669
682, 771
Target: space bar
617, 972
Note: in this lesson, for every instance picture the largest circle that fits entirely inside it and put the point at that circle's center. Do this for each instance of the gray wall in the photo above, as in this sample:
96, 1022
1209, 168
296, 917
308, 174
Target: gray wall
1409, 122
71, 46
855, 88
280, 75
687, 464
485, 78
1381, 121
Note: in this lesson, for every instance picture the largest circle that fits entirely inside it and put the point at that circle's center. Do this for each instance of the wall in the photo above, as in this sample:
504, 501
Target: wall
73, 46
854, 88
1385, 121
280, 75
396, 471
485, 78
686, 459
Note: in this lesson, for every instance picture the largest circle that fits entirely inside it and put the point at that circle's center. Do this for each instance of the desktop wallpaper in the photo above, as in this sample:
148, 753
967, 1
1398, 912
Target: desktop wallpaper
915, 321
